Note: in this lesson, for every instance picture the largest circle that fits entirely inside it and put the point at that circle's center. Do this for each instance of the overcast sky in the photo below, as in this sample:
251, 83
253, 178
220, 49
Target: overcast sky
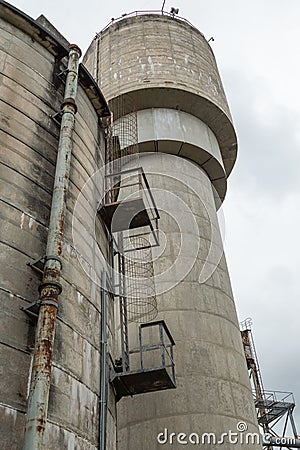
257, 49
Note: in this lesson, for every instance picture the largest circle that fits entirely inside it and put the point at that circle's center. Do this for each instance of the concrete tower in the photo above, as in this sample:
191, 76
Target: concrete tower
163, 68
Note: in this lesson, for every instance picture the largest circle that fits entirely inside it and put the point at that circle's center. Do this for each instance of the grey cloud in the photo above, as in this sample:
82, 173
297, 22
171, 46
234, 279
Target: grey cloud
269, 156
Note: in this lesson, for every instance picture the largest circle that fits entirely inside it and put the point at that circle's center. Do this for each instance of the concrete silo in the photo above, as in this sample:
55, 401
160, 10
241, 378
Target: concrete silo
163, 70
43, 157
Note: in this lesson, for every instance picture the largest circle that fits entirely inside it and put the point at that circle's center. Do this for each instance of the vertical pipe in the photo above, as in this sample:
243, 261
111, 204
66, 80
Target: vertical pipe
172, 362
103, 388
50, 287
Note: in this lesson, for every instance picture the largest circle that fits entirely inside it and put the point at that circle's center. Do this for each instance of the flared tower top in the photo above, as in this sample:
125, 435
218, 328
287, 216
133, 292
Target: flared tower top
162, 61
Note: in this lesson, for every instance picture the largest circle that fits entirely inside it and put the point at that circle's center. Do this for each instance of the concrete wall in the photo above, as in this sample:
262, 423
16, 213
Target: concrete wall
171, 131
213, 393
30, 94
163, 52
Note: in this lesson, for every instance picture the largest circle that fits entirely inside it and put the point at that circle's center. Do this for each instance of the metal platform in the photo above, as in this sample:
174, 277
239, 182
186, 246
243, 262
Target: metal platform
273, 410
147, 379
142, 381
124, 215
275, 404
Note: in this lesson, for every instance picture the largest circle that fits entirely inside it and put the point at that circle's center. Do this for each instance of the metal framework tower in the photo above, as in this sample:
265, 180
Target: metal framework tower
274, 408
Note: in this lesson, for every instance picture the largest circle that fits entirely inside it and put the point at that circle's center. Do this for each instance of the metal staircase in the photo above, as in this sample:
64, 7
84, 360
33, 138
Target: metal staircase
272, 407
275, 405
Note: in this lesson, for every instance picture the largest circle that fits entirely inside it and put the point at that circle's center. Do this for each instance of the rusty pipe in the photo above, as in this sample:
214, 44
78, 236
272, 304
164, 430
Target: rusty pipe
50, 287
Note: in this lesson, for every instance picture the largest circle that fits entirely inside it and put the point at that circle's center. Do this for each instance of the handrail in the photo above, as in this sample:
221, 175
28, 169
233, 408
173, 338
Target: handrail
144, 12
139, 170
274, 395
164, 325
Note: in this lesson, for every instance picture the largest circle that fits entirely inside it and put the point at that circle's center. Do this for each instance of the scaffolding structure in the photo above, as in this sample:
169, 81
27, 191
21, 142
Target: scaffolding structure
274, 408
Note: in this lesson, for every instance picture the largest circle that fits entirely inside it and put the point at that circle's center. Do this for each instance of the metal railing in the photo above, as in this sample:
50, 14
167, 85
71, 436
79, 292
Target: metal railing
278, 396
131, 179
164, 345
142, 13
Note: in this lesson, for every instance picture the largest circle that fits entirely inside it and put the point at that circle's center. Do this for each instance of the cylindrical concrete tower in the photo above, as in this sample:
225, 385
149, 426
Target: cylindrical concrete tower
166, 68
32, 83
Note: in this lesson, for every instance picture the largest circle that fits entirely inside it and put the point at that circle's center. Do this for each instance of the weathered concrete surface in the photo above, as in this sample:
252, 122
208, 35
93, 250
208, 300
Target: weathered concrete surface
176, 132
213, 392
169, 65
165, 63
175, 69
30, 93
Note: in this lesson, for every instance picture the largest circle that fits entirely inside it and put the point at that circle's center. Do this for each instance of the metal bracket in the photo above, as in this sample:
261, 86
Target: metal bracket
57, 117
32, 309
38, 264
63, 72
62, 75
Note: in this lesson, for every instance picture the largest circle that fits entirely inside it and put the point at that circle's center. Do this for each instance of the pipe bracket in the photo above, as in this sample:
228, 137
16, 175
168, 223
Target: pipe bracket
69, 102
54, 258
48, 303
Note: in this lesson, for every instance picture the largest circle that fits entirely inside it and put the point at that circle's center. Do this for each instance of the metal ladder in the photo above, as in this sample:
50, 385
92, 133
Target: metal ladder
123, 306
